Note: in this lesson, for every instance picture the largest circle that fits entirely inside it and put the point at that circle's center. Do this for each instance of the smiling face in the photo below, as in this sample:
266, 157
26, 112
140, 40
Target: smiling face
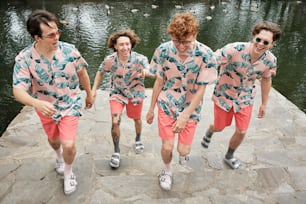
262, 42
123, 46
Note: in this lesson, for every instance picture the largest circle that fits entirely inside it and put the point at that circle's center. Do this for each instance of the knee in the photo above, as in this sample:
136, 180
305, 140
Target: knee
214, 129
69, 148
116, 118
183, 150
241, 133
167, 148
137, 121
115, 125
55, 143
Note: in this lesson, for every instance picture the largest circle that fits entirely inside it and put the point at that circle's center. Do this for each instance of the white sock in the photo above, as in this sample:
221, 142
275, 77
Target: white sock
67, 169
59, 154
168, 167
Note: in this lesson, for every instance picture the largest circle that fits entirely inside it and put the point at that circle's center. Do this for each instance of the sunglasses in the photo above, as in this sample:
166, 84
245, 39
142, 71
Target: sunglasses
183, 42
258, 40
53, 35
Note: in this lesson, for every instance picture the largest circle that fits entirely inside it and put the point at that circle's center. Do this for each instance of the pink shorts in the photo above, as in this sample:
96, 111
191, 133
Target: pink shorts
165, 129
224, 118
132, 111
66, 129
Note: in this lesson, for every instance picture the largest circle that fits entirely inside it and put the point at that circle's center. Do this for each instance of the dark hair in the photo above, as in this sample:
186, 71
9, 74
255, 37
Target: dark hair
36, 18
183, 25
269, 26
112, 40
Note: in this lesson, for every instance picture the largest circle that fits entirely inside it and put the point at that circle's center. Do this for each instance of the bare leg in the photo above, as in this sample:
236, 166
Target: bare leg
234, 142
116, 118
183, 151
55, 144
69, 151
138, 128
207, 137
166, 151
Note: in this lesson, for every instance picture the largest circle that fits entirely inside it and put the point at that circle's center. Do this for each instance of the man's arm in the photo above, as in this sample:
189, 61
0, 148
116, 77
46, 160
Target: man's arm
266, 84
85, 82
46, 108
158, 85
184, 117
97, 81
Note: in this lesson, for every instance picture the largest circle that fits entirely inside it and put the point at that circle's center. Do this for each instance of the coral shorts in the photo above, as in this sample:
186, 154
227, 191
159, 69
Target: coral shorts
132, 111
224, 118
165, 131
66, 129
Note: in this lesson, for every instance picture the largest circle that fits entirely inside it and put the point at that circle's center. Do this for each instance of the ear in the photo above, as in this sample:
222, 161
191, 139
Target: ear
36, 38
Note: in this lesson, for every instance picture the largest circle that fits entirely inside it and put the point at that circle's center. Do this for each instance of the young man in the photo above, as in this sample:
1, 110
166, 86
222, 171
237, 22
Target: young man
47, 75
183, 68
127, 70
240, 65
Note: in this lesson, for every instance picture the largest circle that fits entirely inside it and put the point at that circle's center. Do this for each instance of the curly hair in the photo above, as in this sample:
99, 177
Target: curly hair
112, 40
183, 25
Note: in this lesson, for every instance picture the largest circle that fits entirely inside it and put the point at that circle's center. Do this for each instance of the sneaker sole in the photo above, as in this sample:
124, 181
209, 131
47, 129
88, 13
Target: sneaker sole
138, 151
114, 165
70, 192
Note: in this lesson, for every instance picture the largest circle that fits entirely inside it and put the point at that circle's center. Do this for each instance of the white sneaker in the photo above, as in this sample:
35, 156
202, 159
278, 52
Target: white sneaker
59, 167
115, 160
165, 180
139, 147
70, 184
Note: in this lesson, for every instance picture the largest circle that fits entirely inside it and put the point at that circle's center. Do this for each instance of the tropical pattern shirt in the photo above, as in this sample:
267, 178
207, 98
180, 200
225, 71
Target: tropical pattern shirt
54, 81
126, 80
236, 84
182, 79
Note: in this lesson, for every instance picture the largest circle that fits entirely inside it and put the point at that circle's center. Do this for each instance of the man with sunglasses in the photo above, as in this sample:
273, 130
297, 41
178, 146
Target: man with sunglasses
240, 65
183, 68
47, 76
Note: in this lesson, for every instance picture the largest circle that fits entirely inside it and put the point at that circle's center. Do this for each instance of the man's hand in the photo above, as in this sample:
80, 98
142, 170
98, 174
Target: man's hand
89, 101
262, 111
180, 123
45, 107
150, 116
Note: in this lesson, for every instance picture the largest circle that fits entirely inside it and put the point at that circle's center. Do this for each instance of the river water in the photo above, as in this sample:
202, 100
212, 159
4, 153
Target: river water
87, 24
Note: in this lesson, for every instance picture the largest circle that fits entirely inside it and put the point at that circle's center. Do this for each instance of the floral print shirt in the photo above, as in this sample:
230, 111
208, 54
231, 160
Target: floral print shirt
126, 82
54, 81
182, 78
236, 84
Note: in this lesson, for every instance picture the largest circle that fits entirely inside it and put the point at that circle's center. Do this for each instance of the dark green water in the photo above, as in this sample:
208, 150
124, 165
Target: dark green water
87, 25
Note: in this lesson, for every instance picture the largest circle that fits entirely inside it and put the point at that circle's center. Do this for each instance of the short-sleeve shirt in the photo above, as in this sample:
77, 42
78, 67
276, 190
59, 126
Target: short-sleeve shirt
126, 82
54, 81
182, 79
236, 84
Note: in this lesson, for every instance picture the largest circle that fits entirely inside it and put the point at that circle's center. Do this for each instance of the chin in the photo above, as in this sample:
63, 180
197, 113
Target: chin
260, 51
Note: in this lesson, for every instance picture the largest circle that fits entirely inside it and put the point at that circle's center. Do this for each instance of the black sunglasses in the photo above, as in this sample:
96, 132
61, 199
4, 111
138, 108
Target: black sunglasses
258, 40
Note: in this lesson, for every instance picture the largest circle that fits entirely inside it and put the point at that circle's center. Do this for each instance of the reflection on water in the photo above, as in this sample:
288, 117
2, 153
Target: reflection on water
87, 24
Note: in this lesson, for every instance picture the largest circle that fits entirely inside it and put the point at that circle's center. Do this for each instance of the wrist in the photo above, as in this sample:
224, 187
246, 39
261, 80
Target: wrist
34, 103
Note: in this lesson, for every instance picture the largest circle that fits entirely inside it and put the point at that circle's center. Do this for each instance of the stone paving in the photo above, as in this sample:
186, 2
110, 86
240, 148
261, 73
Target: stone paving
273, 157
